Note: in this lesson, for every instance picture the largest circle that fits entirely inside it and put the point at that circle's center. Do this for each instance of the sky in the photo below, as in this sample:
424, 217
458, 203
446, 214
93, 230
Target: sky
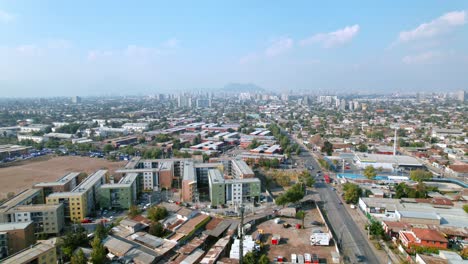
63, 48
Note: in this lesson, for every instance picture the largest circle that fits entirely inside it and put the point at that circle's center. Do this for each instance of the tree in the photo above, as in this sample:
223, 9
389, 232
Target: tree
72, 240
370, 172
362, 148
250, 258
79, 258
281, 200
327, 148
157, 213
98, 255
420, 175
156, 229
100, 231
108, 148
376, 229
465, 207
263, 259
352, 192
301, 215
133, 211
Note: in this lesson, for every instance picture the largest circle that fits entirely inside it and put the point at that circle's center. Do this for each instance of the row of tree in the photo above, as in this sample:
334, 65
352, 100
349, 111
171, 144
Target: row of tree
292, 195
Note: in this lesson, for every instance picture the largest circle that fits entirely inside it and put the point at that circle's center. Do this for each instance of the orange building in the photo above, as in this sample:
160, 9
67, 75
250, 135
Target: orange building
421, 237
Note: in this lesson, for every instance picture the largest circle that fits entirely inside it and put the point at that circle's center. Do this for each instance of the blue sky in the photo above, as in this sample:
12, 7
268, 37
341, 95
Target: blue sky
56, 48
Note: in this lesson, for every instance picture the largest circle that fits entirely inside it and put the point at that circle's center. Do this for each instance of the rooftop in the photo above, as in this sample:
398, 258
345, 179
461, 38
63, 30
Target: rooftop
19, 199
380, 158
28, 254
64, 180
11, 226
90, 181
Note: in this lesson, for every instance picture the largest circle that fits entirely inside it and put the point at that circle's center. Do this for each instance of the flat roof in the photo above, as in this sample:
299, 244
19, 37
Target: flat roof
10, 147
381, 158
18, 199
242, 166
28, 254
215, 176
11, 226
90, 181
35, 207
189, 171
64, 180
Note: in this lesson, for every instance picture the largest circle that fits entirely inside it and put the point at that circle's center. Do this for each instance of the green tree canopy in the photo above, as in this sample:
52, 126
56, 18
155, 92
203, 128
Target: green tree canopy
420, 175
156, 229
327, 148
98, 255
79, 258
370, 172
352, 192
157, 213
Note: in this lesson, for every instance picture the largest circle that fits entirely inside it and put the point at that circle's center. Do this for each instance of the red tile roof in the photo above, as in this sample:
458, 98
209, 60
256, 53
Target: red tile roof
429, 235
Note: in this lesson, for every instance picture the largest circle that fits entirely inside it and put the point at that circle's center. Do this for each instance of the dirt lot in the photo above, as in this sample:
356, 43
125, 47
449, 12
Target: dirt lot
294, 240
23, 176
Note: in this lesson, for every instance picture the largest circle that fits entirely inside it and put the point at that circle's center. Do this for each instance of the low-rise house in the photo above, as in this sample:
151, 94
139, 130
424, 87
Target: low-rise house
419, 237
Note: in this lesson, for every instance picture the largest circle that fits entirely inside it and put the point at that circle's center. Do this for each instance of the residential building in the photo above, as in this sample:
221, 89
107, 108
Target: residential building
47, 218
121, 195
17, 236
65, 184
82, 200
420, 237
34, 128
40, 253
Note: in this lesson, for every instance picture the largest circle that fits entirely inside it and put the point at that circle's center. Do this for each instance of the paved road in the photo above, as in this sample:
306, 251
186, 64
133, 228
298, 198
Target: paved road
351, 240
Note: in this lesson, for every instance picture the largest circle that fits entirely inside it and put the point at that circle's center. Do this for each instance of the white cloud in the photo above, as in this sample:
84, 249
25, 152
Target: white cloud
28, 50
422, 58
279, 46
5, 16
170, 43
98, 54
333, 39
135, 51
249, 58
435, 27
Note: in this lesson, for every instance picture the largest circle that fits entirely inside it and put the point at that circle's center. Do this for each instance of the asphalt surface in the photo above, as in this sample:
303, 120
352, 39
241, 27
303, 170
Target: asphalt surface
351, 241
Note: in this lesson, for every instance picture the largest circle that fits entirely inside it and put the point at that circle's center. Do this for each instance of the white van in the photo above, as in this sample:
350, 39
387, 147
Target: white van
300, 259
293, 258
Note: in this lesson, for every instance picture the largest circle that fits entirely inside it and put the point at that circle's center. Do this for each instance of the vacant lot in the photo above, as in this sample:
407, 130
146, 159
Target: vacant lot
17, 178
294, 240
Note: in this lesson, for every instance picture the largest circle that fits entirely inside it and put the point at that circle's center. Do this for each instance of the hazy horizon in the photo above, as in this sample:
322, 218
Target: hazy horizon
87, 48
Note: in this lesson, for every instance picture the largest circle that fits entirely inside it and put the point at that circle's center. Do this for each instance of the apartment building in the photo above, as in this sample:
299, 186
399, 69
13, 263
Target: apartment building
120, 195
15, 237
33, 128
232, 191
156, 173
65, 184
40, 253
47, 218
26, 197
82, 200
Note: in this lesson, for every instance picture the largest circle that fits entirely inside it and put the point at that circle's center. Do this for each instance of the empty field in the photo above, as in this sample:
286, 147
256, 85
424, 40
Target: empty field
20, 177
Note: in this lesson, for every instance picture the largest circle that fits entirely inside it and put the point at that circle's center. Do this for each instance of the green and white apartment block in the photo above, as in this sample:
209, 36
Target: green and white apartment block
120, 195
232, 191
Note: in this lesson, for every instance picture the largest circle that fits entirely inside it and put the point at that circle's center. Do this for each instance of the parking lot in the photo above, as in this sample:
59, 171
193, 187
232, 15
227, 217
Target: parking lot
295, 241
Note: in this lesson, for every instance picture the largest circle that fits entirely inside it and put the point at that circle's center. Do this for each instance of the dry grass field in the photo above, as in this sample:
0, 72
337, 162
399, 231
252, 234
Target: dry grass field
23, 175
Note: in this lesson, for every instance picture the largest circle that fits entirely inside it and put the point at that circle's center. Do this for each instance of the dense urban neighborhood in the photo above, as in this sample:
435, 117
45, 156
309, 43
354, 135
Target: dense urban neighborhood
233, 176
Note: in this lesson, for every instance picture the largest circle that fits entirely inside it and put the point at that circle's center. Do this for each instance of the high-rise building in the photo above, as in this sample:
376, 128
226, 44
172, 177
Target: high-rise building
461, 96
76, 99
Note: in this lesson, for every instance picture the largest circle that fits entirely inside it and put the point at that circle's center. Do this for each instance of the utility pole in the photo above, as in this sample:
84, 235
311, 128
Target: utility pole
241, 235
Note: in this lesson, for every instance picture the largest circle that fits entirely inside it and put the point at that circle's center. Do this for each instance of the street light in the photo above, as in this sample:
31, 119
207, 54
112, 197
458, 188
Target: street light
241, 235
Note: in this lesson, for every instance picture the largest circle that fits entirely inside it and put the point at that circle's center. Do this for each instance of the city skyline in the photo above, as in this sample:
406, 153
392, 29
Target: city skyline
62, 49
